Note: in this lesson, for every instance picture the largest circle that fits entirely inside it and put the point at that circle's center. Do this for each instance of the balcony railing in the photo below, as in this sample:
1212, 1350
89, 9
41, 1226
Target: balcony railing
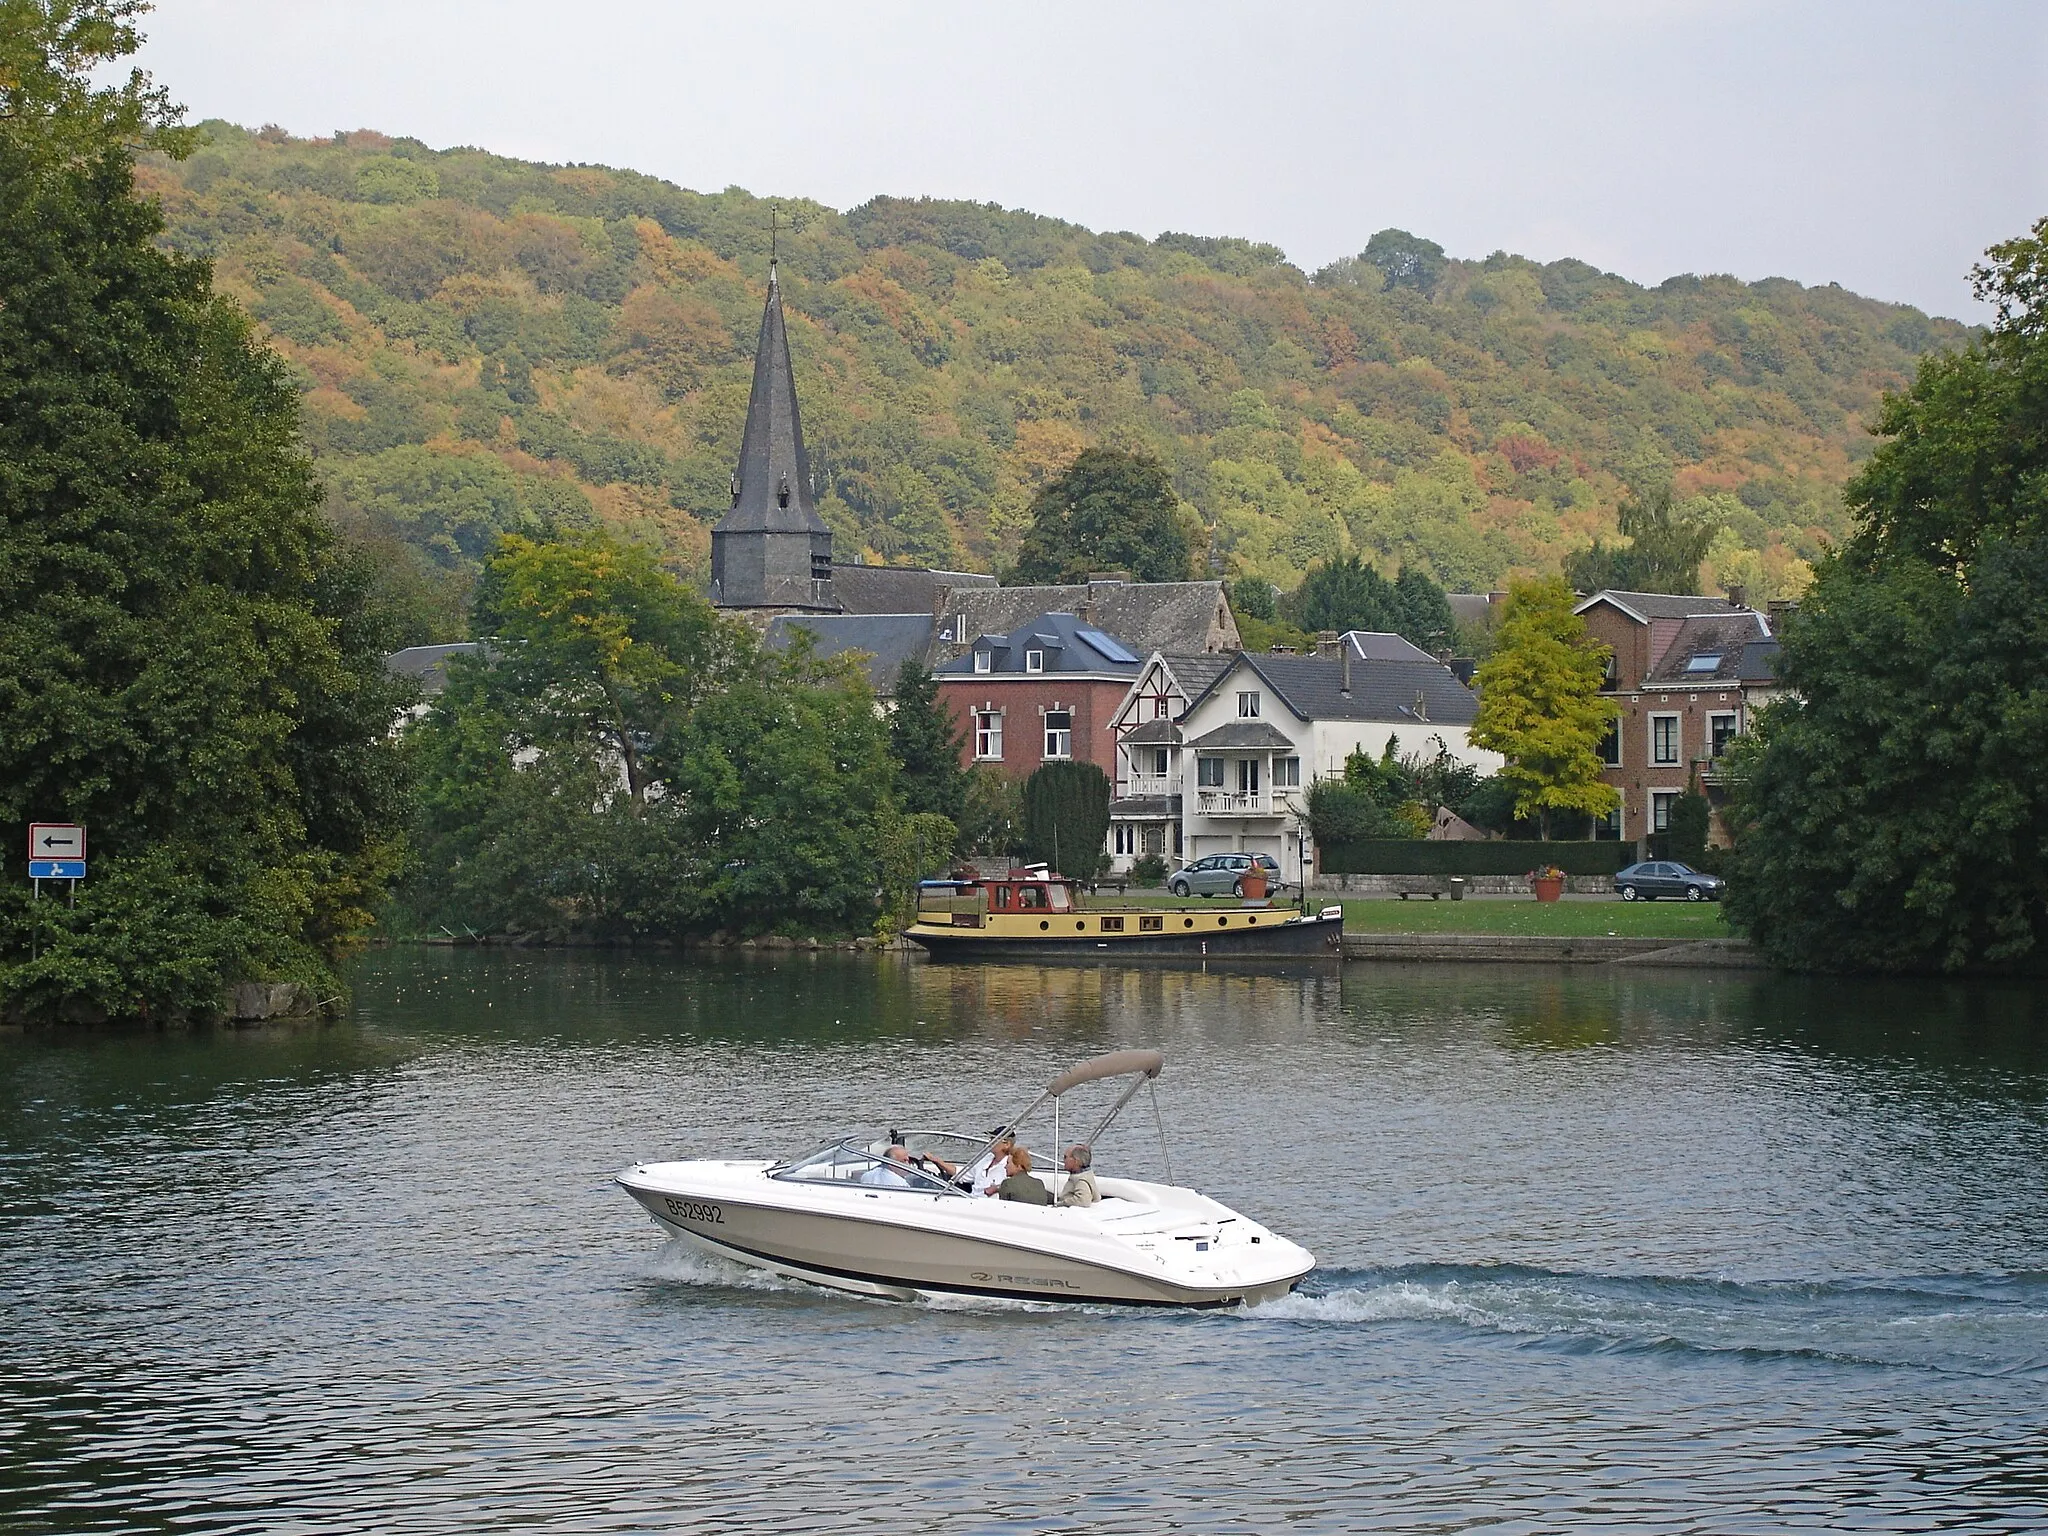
1217, 802
1137, 784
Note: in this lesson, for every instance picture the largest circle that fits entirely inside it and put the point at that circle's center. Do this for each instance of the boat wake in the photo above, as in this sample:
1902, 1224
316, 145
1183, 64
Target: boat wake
1976, 1325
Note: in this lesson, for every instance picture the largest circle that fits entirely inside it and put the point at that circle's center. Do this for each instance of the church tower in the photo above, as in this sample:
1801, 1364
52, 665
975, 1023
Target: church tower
771, 549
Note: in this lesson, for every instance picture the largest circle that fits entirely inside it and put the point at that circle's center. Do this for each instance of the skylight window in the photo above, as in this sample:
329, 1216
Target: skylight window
1705, 661
1107, 646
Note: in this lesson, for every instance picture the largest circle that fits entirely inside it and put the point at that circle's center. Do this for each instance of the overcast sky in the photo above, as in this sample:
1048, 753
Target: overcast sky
1878, 145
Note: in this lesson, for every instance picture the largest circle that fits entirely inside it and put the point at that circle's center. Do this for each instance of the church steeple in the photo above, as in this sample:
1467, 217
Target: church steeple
771, 549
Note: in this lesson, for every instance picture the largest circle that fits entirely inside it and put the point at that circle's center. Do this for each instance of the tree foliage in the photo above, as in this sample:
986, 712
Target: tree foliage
926, 744
1666, 544
1540, 705
1892, 811
1066, 817
189, 663
1109, 511
1348, 594
589, 330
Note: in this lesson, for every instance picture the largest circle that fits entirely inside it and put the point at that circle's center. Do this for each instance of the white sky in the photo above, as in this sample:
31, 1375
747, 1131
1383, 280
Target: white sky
1878, 144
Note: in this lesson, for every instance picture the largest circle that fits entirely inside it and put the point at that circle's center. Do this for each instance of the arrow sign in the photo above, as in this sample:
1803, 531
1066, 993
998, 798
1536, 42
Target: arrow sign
55, 840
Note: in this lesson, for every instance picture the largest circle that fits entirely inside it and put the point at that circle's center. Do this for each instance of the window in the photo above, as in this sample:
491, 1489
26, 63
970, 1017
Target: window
1720, 731
1209, 772
1705, 661
1151, 924
1034, 661
1059, 733
1287, 773
1123, 837
1664, 741
1248, 776
1660, 809
1159, 707
1247, 706
1112, 925
984, 660
1610, 674
1610, 745
988, 735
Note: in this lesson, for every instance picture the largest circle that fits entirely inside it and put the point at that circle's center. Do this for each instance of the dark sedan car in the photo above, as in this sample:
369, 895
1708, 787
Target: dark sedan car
1663, 877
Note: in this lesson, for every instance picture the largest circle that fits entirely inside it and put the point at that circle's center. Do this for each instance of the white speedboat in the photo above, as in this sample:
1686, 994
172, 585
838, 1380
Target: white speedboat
852, 1216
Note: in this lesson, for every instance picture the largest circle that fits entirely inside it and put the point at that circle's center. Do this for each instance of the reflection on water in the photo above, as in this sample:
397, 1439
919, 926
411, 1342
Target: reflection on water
1659, 1251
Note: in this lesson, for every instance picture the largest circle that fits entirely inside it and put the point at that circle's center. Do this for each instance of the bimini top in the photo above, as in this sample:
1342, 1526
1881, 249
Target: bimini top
1115, 1064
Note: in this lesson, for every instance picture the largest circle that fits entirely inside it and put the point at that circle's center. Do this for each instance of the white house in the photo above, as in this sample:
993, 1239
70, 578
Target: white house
1216, 753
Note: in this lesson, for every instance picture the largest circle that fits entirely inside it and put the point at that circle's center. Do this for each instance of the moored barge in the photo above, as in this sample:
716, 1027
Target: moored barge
1032, 914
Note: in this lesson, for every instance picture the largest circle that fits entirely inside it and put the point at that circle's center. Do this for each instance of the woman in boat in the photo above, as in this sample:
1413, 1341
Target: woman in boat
1020, 1185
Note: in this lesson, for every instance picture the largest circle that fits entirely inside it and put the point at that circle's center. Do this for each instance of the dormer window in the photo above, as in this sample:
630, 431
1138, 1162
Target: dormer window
984, 661
1034, 661
1247, 706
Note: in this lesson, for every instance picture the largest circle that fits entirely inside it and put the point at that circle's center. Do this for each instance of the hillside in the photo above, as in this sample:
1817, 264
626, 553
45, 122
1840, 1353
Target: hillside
484, 343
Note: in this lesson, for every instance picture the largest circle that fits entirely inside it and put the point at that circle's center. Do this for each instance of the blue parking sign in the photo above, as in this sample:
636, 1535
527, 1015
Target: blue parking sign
56, 869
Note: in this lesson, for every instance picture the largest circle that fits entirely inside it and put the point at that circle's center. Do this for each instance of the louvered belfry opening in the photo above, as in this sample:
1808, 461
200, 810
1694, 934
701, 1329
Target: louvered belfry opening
771, 549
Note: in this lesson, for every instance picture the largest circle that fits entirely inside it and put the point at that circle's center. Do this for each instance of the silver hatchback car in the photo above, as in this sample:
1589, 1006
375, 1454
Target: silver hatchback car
1222, 874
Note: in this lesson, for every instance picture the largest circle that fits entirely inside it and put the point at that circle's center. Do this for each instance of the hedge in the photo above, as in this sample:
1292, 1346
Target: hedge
1421, 856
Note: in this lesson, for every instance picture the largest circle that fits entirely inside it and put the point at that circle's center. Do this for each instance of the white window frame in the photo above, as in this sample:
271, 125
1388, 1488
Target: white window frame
1123, 837
1248, 706
1661, 801
1034, 661
1287, 773
984, 660
1677, 741
1161, 707
988, 732
1734, 729
1204, 768
1059, 740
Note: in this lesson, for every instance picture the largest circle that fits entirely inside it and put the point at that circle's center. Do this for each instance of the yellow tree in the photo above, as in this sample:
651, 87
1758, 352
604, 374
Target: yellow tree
1541, 708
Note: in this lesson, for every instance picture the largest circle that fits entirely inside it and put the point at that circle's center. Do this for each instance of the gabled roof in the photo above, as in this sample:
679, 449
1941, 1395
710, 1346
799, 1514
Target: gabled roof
1065, 646
428, 664
1255, 735
1313, 688
1645, 606
887, 638
1195, 674
772, 485
893, 589
1153, 733
1175, 616
1372, 645
1707, 650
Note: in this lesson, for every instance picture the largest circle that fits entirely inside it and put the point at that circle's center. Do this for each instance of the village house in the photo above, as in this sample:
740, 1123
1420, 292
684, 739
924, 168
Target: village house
1216, 753
1688, 674
1043, 693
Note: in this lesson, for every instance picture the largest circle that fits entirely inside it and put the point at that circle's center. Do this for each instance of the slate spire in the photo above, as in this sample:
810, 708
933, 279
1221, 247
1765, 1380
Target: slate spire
771, 549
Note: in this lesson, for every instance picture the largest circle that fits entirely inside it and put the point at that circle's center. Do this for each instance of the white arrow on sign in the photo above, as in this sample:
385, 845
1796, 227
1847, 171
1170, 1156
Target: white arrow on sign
55, 840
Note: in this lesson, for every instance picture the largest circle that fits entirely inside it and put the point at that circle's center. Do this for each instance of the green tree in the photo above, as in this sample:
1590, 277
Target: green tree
994, 815
189, 662
1666, 544
926, 745
1540, 705
1425, 612
1252, 597
1066, 817
1686, 840
1110, 510
1347, 593
1405, 260
1891, 812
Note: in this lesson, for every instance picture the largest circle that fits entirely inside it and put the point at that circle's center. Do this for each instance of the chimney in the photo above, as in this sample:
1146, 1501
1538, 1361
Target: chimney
1462, 668
1781, 608
1085, 609
1326, 643
1738, 595
1346, 689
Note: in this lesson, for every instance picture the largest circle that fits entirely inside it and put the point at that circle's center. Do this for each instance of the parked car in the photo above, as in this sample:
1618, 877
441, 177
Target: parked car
1222, 874
1663, 877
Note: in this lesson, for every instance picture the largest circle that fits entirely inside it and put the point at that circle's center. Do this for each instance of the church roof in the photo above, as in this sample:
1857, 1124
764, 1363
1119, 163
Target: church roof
772, 486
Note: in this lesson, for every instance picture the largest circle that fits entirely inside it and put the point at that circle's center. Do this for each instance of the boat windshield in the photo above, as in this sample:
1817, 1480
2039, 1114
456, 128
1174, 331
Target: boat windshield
849, 1162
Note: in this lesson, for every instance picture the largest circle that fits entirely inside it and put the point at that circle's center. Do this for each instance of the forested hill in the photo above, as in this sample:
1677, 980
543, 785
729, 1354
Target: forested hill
484, 343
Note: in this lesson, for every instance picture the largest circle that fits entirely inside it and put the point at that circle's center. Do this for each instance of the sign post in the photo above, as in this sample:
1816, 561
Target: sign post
56, 851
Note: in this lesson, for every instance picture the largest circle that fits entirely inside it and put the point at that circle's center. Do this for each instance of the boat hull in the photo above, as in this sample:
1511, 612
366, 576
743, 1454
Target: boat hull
1202, 935
902, 1244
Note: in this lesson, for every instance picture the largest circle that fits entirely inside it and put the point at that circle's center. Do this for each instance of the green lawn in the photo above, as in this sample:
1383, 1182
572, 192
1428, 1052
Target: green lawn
1561, 919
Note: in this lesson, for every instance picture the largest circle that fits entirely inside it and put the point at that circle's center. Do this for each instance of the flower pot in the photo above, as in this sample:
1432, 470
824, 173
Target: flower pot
1548, 887
1254, 883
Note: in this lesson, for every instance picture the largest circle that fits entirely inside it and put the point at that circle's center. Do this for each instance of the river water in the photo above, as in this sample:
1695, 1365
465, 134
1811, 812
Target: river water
1653, 1252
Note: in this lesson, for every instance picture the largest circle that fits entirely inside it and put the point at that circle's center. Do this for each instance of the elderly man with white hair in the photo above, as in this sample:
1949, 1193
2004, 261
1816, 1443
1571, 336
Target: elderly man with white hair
1080, 1189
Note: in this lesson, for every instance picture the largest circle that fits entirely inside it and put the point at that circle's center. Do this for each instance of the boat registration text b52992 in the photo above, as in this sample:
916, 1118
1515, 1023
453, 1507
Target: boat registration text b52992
694, 1210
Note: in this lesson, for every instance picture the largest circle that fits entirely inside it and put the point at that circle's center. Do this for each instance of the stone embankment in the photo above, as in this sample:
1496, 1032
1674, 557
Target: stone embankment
1488, 948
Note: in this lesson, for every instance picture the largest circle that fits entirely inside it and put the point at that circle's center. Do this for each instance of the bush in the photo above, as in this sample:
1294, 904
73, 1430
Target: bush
1149, 870
1688, 839
1383, 856
1066, 816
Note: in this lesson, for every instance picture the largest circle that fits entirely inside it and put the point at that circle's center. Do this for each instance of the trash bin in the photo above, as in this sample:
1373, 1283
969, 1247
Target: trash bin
1457, 887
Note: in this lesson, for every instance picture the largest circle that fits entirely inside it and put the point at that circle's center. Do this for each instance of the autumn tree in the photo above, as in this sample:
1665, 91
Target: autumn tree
1667, 542
1110, 511
1540, 705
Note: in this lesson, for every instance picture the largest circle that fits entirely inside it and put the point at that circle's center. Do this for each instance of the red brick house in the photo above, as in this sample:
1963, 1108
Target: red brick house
1046, 692
1688, 674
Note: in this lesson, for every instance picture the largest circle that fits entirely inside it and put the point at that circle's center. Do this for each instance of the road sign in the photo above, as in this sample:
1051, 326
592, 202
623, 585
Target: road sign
56, 869
56, 840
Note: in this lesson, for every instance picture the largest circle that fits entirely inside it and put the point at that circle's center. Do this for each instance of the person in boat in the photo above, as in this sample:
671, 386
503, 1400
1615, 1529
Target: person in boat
1080, 1188
886, 1176
979, 1177
1019, 1185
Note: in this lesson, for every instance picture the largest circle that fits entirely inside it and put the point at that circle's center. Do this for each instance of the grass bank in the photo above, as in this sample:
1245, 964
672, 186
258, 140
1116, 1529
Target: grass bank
1549, 919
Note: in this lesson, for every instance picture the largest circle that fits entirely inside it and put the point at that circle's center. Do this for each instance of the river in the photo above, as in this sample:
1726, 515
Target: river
1711, 1252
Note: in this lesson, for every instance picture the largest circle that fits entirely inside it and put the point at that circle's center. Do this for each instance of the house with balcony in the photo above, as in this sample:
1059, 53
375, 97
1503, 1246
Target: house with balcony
1688, 675
1217, 753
